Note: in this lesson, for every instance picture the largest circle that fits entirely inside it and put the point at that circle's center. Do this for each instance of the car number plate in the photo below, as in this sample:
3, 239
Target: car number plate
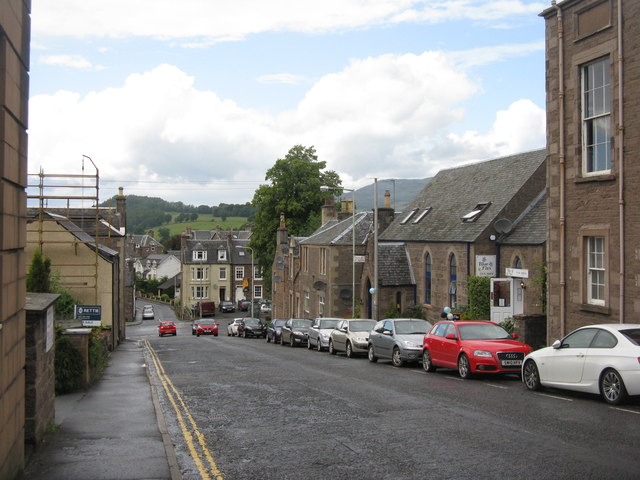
511, 363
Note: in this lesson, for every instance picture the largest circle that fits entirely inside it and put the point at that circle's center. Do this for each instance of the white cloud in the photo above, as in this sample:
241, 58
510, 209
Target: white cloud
72, 61
388, 116
286, 78
207, 21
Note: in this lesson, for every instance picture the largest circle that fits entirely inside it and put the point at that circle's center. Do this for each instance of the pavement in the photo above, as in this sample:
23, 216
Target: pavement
114, 430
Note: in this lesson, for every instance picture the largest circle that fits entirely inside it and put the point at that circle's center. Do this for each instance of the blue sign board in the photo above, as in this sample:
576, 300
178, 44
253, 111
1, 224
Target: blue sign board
91, 315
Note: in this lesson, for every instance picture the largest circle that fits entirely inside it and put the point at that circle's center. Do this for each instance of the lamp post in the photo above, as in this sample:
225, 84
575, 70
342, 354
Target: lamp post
353, 247
251, 283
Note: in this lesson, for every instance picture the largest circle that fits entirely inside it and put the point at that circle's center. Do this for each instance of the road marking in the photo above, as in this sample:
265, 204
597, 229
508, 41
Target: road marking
497, 386
553, 396
625, 410
174, 398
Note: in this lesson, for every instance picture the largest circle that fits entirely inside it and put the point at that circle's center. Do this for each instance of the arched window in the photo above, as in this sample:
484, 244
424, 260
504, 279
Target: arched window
517, 263
427, 279
399, 301
453, 276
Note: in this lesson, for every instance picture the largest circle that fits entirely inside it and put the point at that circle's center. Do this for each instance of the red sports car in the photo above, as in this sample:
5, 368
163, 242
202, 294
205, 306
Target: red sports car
166, 328
204, 326
472, 347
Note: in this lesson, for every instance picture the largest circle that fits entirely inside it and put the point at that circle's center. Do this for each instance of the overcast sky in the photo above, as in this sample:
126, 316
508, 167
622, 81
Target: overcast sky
193, 100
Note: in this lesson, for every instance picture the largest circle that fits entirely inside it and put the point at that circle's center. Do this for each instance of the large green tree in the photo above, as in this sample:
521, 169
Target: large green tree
293, 190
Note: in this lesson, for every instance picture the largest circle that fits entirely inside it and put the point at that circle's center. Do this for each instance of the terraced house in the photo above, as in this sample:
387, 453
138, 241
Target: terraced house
593, 120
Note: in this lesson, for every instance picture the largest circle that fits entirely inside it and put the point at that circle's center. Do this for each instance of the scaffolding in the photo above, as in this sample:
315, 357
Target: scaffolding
58, 196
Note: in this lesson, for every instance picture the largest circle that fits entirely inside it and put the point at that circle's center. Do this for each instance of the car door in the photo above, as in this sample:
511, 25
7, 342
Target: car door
285, 333
339, 336
565, 364
599, 354
314, 332
387, 340
374, 336
450, 346
435, 343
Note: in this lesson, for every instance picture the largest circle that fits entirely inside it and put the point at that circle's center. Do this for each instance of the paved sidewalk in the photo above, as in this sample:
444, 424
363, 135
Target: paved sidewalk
111, 431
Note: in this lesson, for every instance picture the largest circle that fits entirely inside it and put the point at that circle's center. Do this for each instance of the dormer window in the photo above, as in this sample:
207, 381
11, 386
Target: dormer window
422, 215
408, 217
222, 254
199, 255
474, 214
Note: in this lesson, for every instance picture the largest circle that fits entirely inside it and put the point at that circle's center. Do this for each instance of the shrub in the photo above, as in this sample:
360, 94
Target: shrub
98, 352
68, 365
478, 293
414, 311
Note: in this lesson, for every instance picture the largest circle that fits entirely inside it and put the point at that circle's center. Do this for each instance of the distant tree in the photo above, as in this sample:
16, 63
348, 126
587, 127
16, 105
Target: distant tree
293, 190
172, 243
203, 209
163, 234
39, 275
193, 217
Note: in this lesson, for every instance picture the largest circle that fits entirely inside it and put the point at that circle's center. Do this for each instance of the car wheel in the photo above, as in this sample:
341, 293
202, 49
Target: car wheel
282, 340
309, 347
371, 355
215, 334
464, 367
268, 339
193, 332
332, 350
197, 334
531, 376
175, 334
349, 350
244, 334
427, 364
396, 359
292, 344
612, 387
319, 345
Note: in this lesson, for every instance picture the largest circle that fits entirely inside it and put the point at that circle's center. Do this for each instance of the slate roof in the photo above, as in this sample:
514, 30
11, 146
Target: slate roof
531, 227
240, 256
145, 241
455, 192
394, 265
336, 232
211, 247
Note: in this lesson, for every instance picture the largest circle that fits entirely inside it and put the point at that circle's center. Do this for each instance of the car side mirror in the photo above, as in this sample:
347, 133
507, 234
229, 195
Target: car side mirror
514, 335
450, 336
343, 329
557, 344
315, 326
387, 332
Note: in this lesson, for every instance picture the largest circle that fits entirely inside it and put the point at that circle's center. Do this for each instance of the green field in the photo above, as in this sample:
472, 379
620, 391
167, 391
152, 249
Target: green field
204, 222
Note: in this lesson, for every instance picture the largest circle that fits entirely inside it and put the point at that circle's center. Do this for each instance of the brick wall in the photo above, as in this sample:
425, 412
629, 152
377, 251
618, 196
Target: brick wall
14, 90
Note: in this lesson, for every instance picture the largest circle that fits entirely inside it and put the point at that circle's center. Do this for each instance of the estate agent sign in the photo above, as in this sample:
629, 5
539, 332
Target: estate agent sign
91, 315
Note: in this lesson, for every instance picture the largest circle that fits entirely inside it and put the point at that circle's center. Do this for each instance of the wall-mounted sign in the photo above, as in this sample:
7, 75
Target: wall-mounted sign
485, 265
90, 315
517, 272
359, 258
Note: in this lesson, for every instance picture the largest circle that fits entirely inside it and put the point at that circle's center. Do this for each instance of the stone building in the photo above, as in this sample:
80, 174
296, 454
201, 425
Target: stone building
464, 223
15, 27
593, 82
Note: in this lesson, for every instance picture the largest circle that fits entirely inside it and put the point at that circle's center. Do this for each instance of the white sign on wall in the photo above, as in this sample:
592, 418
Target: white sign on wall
485, 265
517, 272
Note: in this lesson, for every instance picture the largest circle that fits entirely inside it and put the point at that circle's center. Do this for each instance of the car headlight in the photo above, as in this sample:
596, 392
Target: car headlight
324, 336
482, 353
409, 344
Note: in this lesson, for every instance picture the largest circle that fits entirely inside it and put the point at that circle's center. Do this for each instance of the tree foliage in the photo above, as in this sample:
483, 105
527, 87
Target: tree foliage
39, 275
293, 190
478, 293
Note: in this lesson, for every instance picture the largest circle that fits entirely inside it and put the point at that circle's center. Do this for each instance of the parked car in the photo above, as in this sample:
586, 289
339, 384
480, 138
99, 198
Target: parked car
147, 312
204, 326
318, 335
251, 327
397, 339
244, 305
166, 328
600, 359
351, 336
274, 329
227, 307
232, 328
472, 347
204, 309
294, 331
265, 308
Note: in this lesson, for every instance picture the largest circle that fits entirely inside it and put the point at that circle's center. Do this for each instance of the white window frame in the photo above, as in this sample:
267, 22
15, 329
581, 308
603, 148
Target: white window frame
239, 273
257, 272
222, 273
222, 255
323, 261
321, 305
199, 255
307, 301
200, 292
596, 272
596, 117
408, 217
204, 273
257, 291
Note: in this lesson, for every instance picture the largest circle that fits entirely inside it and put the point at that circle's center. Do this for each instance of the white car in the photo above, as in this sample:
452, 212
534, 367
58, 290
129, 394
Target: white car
232, 328
350, 336
147, 312
601, 359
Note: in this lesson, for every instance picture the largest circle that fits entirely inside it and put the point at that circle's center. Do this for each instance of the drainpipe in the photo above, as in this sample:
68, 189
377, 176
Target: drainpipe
561, 168
621, 160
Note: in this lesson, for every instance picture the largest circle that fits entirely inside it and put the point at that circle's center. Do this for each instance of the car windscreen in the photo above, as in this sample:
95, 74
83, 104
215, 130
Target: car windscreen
251, 321
412, 327
278, 323
487, 331
329, 323
633, 334
206, 322
301, 323
361, 325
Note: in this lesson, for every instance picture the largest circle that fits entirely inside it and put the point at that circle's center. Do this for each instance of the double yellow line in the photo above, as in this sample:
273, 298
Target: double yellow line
190, 429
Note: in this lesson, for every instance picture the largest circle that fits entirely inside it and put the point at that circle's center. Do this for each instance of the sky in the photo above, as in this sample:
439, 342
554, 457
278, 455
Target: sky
194, 100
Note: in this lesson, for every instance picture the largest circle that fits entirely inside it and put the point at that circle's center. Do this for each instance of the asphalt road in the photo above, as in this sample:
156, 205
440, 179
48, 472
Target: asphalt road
245, 409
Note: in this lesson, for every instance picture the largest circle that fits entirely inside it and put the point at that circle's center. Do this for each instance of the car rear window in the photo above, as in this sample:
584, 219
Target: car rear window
633, 334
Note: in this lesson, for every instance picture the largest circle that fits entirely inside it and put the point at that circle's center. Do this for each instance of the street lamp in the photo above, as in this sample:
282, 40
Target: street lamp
251, 283
353, 247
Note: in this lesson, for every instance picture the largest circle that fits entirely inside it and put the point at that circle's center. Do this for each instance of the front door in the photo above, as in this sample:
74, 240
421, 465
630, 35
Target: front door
501, 299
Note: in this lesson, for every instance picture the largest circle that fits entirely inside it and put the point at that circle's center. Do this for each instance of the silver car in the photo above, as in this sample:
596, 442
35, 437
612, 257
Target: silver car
351, 336
318, 336
397, 339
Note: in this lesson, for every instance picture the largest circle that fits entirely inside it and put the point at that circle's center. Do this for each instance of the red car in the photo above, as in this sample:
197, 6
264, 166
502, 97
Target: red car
166, 328
472, 347
204, 326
